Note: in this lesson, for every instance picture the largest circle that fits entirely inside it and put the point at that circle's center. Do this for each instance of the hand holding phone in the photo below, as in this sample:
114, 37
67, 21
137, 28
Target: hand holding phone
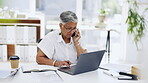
74, 34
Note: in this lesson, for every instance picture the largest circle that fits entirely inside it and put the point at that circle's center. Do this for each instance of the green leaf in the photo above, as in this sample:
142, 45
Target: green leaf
136, 22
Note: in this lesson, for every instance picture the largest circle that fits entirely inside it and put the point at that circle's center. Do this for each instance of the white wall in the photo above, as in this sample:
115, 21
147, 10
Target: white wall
144, 52
144, 57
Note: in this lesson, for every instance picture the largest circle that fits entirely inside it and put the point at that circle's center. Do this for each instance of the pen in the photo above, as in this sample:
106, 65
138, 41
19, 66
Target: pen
14, 72
103, 68
112, 73
108, 73
58, 75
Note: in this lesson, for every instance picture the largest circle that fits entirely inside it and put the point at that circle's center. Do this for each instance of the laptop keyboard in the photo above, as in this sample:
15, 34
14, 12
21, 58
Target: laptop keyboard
67, 69
72, 68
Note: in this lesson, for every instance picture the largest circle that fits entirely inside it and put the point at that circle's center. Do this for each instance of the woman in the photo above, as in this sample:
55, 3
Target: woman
60, 48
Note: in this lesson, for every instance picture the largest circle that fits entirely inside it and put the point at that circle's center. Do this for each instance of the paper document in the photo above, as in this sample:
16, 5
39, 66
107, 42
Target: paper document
117, 67
48, 77
7, 73
37, 68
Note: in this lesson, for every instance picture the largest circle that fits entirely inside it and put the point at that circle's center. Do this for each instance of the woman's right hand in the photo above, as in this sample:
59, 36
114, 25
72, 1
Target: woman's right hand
62, 63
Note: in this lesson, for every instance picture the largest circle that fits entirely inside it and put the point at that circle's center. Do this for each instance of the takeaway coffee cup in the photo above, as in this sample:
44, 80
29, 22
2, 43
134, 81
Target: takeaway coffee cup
14, 61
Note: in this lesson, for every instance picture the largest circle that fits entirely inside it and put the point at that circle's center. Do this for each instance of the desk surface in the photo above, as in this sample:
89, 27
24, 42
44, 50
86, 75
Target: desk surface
96, 76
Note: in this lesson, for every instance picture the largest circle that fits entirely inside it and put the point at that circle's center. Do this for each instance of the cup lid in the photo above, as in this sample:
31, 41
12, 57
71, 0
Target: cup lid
14, 58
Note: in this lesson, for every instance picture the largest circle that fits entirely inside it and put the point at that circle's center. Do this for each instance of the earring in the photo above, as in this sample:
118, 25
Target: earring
60, 33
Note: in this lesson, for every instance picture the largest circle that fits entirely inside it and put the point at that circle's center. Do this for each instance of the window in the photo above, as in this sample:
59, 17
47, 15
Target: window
90, 9
113, 20
53, 8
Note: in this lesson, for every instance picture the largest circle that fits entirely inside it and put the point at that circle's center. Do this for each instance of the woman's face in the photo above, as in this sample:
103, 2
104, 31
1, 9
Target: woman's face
68, 29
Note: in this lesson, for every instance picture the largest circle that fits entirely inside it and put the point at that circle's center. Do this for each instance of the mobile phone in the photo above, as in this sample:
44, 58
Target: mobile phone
74, 34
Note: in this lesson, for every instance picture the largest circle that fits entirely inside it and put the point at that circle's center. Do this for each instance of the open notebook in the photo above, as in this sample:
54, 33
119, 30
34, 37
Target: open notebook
37, 68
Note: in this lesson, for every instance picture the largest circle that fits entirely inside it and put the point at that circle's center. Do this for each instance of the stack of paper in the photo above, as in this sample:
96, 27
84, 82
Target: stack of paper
114, 69
117, 67
4, 73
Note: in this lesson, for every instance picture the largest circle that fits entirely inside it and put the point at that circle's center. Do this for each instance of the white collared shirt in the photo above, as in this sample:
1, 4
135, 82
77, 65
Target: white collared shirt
54, 47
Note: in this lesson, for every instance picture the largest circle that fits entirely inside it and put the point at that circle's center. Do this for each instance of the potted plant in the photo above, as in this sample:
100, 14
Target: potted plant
136, 22
102, 15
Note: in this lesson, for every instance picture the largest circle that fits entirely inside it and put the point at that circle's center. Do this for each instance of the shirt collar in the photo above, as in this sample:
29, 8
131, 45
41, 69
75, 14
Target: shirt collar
60, 39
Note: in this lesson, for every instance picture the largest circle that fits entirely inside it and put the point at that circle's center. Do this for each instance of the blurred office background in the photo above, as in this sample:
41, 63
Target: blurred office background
87, 11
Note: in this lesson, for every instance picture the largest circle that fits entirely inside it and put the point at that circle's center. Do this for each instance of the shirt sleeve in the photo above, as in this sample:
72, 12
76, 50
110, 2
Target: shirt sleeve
47, 46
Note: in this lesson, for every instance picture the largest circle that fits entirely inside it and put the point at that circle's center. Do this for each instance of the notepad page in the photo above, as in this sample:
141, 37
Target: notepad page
35, 67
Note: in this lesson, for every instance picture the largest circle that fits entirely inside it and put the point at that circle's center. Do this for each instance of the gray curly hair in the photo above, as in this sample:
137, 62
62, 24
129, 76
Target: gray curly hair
68, 16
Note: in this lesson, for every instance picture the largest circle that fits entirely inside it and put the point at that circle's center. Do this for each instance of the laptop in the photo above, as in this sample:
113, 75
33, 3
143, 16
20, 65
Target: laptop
86, 62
